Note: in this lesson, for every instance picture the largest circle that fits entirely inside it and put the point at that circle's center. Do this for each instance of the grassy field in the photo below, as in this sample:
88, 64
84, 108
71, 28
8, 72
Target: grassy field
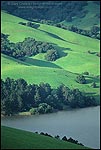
18, 139
73, 49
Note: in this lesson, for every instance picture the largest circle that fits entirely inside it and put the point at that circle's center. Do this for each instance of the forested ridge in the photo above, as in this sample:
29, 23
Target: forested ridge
18, 96
50, 10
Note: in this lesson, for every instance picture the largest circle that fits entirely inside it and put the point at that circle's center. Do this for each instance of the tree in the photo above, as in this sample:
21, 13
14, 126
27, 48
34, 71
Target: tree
57, 137
90, 101
80, 79
22, 23
29, 24
64, 138
72, 101
95, 29
93, 85
45, 90
37, 98
44, 108
51, 55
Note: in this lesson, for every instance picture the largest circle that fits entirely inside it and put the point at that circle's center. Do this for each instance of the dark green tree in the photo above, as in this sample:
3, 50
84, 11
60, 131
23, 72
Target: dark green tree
80, 79
64, 138
93, 85
51, 55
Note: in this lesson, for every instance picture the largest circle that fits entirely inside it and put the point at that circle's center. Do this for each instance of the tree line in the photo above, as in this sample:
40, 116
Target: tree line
29, 47
19, 96
94, 32
30, 24
64, 138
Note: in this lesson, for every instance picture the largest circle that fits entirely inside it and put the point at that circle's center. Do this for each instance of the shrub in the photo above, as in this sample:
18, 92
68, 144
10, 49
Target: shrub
86, 73
22, 23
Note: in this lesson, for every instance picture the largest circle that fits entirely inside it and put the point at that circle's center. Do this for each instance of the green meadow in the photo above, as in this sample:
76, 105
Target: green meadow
18, 139
72, 47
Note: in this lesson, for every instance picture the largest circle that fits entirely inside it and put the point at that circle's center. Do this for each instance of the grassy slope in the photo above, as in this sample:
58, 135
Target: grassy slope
73, 47
13, 139
77, 60
36, 74
89, 19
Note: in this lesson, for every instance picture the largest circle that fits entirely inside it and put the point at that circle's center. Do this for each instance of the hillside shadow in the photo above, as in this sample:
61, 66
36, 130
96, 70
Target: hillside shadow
41, 63
56, 36
53, 35
61, 50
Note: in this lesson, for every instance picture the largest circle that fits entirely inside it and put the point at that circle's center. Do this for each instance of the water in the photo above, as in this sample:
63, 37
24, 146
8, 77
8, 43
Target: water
80, 124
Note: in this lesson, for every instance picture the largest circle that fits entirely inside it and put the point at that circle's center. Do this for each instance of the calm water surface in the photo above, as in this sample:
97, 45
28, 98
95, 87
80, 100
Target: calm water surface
81, 124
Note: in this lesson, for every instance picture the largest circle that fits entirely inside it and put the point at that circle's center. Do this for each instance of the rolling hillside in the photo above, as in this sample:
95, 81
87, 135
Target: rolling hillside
73, 49
83, 14
90, 19
14, 138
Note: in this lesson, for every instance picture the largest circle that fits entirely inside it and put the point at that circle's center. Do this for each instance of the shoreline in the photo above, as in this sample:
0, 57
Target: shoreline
27, 113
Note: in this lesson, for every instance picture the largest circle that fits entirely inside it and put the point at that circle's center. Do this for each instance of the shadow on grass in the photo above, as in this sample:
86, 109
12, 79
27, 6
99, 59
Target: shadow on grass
56, 36
92, 79
41, 63
61, 50
53, 35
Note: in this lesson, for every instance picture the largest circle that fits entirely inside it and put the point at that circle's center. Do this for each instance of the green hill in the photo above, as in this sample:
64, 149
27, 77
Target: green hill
83, 14
72, 47
90, 19
18, 139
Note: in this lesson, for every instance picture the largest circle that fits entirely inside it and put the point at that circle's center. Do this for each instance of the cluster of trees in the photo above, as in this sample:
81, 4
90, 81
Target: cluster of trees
71, 140
41, 109
28, 47
81, 79
94, 32
18, 96
64, 138
43, 21
30, 24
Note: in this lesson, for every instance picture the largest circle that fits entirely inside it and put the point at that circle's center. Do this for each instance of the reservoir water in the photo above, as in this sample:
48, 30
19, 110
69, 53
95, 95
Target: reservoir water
80, 124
